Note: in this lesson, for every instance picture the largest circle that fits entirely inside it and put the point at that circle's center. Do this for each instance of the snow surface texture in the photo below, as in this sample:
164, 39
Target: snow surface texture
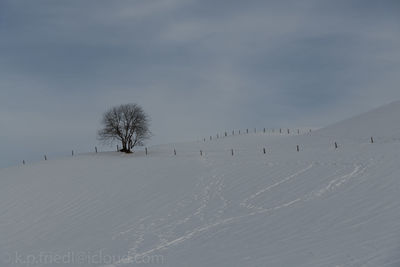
318, 207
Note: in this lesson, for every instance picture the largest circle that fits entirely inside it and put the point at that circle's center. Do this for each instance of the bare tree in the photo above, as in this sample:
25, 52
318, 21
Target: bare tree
128, 124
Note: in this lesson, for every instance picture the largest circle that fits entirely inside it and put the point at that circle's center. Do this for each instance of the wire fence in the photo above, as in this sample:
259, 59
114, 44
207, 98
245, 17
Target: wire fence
232, 151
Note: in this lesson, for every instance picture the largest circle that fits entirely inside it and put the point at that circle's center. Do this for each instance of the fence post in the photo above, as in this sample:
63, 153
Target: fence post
45, 157
72, 153
233, 132
117, 148
288, 131
210, 137
145, 149
23, 162
201, 153
239, 131
174, 151
264, 130
247, 130
372, 140
232, 151
217, 136
95, 149
280, 130
336, 145
264, 150
226, 134
298, 148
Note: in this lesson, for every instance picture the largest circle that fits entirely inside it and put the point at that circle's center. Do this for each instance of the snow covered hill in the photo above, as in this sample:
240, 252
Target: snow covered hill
320, 206
382, 123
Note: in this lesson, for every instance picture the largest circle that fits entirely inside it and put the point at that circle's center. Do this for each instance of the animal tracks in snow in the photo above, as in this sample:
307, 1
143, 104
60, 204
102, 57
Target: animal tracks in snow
208, 204
245, 203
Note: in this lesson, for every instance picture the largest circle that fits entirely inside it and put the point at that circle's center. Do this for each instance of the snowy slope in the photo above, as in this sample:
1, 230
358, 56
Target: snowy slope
382, 123
316, 207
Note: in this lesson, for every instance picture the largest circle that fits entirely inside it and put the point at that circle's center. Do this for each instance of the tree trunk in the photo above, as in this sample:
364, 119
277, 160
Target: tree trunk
124, 147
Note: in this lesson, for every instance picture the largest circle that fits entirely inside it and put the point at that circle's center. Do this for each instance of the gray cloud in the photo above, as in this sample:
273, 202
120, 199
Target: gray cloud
196, 66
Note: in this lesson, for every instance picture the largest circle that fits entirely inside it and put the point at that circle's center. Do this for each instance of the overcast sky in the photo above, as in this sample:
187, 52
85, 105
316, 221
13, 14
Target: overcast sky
196, 66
